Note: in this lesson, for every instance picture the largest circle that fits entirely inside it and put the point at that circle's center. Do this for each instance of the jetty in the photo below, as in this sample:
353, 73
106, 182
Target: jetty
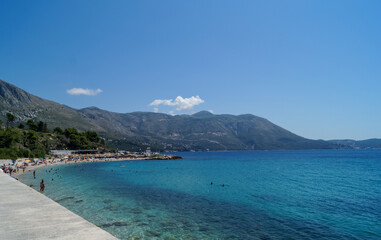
28, 214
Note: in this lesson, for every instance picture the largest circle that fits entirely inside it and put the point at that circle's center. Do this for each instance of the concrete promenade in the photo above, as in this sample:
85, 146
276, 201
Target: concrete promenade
28, 214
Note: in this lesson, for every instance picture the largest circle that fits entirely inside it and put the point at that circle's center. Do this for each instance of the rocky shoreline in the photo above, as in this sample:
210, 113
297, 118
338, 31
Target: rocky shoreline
164, 157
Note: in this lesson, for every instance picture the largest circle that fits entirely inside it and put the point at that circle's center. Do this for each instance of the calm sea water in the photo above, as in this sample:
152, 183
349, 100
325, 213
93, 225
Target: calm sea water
330, 194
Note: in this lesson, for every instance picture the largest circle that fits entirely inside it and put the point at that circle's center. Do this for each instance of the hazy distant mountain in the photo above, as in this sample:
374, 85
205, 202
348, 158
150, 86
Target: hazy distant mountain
349, 143
200, 131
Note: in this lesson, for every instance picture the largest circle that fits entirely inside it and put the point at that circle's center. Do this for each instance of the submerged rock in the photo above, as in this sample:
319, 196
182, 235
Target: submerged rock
134, 237
116, 224
64, 199
169, 238
114, 207
120, 224
153, 233
168, 225
203, 229
135, 211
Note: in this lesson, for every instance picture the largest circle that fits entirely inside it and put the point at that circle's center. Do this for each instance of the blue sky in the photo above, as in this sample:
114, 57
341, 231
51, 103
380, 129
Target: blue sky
312, 67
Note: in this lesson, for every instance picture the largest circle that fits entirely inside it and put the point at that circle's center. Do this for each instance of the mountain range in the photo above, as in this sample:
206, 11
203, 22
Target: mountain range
162, 132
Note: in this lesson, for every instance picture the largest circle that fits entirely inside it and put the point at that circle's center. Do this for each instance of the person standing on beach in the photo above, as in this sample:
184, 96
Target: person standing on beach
42, 186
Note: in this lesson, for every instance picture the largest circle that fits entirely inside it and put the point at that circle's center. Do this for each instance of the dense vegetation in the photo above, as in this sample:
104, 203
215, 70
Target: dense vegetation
33, 139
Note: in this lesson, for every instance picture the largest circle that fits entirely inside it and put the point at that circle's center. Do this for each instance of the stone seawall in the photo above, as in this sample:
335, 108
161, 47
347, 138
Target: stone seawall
28, 214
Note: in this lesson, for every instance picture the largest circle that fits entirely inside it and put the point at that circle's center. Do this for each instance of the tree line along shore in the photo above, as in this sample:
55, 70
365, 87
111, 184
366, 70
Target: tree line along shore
34, 140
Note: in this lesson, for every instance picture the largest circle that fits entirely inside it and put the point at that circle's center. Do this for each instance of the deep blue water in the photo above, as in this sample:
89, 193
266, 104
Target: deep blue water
317, 194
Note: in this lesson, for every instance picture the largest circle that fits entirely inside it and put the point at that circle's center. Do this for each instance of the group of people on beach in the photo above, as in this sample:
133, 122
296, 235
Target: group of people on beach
9, 169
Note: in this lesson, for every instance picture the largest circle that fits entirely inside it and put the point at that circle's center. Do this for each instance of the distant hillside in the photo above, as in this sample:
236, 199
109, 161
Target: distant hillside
348, 143
27, 106
201, 131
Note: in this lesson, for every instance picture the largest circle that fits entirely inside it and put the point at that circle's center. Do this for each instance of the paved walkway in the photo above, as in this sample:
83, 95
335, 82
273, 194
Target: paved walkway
28, 214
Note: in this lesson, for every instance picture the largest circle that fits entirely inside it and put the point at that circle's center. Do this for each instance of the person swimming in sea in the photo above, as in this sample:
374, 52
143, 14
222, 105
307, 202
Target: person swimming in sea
42, 186
34, 174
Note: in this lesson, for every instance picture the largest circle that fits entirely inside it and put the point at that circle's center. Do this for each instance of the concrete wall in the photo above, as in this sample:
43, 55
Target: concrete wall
28, 214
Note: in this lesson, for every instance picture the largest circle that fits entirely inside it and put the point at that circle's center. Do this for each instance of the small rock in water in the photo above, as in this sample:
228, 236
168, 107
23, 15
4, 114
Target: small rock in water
107, 201
114, 207
169, 238
203, 229
136, 211
78, 201
64, 199
120, 224
134, 237
168, 225
152, 233
117, 224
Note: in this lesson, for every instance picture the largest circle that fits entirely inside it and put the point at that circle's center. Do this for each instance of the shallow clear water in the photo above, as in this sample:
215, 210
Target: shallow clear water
329, 194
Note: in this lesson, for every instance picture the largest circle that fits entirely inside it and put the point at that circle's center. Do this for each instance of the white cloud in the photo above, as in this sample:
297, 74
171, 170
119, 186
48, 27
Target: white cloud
83, 91
180, 103
172, 113
155, 109
211, 111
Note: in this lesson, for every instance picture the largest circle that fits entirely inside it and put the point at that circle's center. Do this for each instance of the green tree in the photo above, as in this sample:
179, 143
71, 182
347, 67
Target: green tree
75, 141
45, 127
40, 126
70, 131
21, 126
92, 136
31, 124
9, 137
32, 138
10, 119
58, 130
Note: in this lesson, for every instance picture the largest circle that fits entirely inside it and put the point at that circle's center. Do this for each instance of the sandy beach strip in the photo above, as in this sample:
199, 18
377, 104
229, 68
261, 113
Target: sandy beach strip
50, 164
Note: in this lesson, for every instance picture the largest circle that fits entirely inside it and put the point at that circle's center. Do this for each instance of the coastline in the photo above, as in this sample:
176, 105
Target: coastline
33, 167
84, 159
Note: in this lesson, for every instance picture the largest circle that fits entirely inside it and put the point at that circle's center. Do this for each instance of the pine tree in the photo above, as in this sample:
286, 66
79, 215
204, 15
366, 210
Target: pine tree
10, 119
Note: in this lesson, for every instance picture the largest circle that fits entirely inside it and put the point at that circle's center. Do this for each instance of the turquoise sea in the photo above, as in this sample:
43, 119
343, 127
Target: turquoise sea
316, 194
